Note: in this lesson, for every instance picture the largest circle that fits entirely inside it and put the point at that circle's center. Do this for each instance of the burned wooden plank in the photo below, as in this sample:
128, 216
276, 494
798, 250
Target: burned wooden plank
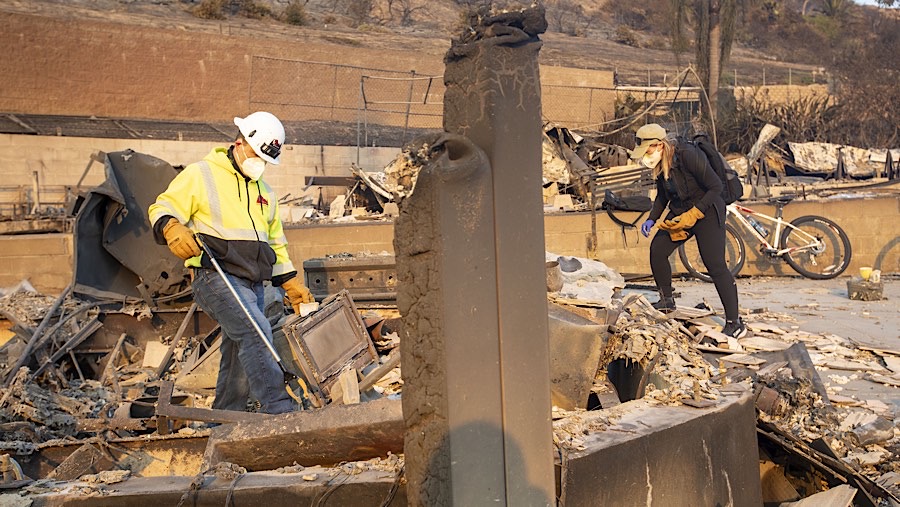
822, 459
87, 459
378, 373
164, 364
841, 496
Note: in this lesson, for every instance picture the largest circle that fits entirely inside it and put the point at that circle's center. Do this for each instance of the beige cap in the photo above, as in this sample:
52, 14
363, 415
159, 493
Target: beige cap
647, 135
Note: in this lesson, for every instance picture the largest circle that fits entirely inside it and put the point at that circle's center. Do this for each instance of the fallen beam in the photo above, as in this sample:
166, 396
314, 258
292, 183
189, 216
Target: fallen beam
330, 435
377, 374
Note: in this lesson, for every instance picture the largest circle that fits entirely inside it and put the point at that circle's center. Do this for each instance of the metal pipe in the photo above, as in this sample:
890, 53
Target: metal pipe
240, 302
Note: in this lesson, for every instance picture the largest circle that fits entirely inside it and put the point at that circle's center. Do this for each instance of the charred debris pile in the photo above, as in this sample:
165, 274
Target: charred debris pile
123, 359
77, 383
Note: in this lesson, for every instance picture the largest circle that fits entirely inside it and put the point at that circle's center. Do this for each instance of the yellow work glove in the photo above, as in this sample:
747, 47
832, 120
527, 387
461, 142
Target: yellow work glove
180, 240
679, 235
297, 293
683, 221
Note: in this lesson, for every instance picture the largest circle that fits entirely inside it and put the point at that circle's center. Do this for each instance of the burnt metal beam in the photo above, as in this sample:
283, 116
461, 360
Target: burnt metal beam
165, 410
329, 181
29, 347
87, 459
86, 331
164, 364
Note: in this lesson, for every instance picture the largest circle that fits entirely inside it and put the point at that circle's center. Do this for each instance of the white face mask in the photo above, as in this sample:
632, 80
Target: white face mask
649, 160
253, 168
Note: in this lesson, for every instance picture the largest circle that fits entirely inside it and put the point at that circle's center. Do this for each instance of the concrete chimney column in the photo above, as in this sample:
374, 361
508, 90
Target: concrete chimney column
469, 247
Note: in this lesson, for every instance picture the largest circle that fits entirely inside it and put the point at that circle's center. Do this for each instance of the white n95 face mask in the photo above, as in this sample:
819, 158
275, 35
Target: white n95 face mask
649, 160
253, 168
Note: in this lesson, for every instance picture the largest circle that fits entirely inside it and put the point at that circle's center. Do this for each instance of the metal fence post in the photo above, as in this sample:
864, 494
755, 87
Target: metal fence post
412, 81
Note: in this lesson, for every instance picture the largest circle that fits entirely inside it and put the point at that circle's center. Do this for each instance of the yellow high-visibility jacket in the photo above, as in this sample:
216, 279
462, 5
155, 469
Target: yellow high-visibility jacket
237, 219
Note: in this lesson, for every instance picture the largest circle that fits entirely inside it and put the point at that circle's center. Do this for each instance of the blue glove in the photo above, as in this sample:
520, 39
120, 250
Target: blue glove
646, 226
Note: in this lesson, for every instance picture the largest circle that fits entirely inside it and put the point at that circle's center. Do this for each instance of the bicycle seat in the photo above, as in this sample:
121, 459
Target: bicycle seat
782, 199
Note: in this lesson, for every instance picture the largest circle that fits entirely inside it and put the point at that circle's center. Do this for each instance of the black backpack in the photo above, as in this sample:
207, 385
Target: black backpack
732, 190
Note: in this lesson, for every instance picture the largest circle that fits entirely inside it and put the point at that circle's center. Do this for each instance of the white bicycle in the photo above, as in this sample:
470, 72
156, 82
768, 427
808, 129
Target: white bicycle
813, 246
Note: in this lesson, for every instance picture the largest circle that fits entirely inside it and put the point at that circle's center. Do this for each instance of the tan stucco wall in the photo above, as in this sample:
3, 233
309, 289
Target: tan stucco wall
871, 224
55, 66
97, 68
781, 94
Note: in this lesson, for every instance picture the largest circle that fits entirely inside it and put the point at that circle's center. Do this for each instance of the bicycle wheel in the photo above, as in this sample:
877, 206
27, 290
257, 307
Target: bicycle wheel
734, 255
827, 260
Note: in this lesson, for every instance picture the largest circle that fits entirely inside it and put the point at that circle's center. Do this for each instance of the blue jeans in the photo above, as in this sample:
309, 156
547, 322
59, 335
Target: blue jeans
247, 366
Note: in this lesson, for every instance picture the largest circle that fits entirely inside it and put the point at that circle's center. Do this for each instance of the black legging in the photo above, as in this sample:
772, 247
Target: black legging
711, 242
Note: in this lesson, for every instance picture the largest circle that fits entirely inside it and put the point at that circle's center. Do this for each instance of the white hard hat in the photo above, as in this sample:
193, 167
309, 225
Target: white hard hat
265, 134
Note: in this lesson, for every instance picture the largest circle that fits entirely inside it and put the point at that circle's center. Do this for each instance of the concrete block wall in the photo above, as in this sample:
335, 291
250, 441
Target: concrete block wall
62, 160
871, 224
45, 260
201, 72
313, 241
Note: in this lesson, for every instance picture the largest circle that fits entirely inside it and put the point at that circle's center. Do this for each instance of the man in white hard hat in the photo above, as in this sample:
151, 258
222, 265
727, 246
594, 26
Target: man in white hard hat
225, 202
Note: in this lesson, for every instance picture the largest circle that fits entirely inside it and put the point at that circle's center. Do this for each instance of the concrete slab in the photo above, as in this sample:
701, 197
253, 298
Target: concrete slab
819, 306
326, 436
662, 455
306, 487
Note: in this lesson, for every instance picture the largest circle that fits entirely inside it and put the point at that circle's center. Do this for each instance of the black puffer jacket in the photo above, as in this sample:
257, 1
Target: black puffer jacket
692, 182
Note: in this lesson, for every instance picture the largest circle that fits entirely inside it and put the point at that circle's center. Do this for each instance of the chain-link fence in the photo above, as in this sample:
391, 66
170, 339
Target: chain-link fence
372, 98
759, 76
578, 107
413, 102
302, 90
